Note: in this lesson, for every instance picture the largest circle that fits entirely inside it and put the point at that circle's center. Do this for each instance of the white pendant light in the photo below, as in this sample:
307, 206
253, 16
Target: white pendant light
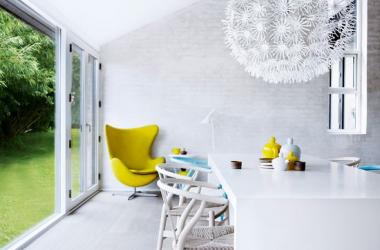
286, 41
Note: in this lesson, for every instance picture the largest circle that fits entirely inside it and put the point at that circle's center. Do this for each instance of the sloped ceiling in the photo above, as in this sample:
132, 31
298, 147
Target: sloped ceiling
101, 21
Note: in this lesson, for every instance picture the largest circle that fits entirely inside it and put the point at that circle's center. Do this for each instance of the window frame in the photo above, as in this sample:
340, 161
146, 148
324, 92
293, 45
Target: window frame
29, 15
360, 89
62, 35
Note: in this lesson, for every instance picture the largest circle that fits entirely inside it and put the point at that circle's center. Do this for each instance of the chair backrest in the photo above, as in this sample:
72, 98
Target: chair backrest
348, 161
164, 172
179, 171
169, 188
132, 146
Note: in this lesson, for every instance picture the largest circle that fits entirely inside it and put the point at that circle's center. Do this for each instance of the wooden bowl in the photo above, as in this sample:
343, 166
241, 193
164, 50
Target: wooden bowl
299, 166
236, 164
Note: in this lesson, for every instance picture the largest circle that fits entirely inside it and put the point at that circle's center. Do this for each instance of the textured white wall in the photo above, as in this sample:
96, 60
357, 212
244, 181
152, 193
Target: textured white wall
174, 71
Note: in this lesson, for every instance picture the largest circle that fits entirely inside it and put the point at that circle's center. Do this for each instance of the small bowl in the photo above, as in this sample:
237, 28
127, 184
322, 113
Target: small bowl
236, 164
265, 160
299, 166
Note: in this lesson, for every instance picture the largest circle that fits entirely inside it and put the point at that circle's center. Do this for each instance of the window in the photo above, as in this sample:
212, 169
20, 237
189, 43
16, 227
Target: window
47, 167
347, 90
28, 121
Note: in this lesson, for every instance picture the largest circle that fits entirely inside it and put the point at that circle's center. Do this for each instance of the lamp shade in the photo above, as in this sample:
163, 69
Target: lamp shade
208, 117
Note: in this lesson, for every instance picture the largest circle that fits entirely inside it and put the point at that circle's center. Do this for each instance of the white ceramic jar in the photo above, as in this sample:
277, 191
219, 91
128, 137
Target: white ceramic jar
290, 147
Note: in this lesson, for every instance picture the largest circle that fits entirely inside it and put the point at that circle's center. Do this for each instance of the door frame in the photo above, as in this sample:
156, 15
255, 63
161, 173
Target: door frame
72, 42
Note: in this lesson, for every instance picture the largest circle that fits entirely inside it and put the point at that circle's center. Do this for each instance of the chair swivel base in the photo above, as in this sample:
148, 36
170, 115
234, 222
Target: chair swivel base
143, 194
137, 193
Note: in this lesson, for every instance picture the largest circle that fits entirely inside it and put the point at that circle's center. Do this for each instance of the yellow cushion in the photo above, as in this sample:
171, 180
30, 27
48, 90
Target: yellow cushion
125, 176
144, 171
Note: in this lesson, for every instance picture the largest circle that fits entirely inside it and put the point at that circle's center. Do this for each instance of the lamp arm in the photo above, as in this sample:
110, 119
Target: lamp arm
212, 135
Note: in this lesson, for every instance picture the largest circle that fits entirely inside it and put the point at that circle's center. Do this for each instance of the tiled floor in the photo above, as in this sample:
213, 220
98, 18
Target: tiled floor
106, 222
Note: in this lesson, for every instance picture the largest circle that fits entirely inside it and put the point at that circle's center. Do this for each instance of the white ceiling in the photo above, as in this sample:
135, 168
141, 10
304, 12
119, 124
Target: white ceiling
101, 21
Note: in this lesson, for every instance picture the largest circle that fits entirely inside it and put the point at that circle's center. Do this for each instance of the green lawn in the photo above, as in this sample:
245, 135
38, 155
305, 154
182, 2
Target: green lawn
27, 189
27, 182
75, 163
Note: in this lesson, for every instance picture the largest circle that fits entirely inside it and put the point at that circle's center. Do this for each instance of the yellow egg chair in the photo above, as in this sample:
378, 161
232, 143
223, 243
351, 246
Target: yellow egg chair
130, 153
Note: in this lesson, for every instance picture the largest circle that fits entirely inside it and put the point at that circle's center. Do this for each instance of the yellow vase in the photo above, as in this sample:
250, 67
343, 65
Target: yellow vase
271, 149
176, 151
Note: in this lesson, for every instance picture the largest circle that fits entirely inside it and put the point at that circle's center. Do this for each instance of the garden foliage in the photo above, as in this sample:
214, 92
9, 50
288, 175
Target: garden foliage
27, 77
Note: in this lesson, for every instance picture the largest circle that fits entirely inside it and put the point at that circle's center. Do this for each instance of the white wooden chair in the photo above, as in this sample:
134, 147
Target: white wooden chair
184, 232
209, 214
347, 161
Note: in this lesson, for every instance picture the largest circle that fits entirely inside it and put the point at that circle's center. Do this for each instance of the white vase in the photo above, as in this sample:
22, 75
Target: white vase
288, 147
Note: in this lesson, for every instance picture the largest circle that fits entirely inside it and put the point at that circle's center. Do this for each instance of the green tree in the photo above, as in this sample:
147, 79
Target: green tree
27, 76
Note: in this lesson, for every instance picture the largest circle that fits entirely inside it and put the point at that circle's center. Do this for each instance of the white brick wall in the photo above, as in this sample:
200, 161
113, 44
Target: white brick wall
174, 71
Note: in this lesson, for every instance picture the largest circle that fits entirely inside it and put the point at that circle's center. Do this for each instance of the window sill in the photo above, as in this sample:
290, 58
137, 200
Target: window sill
35, 232
345, 132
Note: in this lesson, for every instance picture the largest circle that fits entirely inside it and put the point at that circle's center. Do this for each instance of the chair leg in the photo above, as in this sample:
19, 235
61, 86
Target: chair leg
227, 214
132, 196
160, 239
143, 194
211, 219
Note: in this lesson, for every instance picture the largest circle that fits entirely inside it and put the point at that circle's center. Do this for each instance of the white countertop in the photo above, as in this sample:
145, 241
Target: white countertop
321, 180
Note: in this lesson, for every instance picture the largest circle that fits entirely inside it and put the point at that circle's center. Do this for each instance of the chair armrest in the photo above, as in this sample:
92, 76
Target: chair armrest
144, 171
155, 161
167, 185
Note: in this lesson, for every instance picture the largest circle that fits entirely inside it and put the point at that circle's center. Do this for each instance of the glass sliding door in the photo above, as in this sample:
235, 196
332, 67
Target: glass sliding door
83, 177
75, 142
90, 120
28, 55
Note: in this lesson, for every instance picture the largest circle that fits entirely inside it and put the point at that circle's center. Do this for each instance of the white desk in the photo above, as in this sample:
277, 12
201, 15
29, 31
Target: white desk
327, 207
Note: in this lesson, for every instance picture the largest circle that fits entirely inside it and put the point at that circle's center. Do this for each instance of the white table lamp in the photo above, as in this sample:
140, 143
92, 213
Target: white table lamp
209, 120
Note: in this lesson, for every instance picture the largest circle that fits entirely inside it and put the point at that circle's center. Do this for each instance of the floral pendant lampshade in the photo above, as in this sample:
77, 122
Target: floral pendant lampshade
286, 41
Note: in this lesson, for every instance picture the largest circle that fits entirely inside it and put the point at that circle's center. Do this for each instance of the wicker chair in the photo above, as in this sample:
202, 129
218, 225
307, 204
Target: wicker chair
185, 234
186, 172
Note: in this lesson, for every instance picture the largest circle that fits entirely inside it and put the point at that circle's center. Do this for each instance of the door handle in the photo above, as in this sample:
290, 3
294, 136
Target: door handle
89, 127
